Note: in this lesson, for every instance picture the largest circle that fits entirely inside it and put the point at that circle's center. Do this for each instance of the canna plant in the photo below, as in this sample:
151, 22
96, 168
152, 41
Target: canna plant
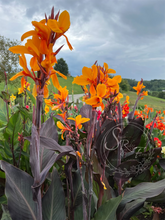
103, 147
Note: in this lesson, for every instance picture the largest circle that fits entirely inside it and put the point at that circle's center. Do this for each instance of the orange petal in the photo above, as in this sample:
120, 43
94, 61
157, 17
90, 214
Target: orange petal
69, 45
64, 21
106, 66
34, 64
53, 24
93, 101
117, 78
92, 90
111, 71
28, 34
94, 72
55, 80
17, 75
19, 49
62, 75
83, 120
34, 93
60, 125
71, 118
80, 80
43, 47
22, 82
101, 90
46, 92
32, 47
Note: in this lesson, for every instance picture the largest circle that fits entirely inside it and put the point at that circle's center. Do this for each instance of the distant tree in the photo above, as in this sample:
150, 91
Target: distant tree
124, 85
8, 60
62, 66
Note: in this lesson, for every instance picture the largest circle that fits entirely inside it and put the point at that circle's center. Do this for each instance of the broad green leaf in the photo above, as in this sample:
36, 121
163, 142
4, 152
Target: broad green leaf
53, 204
3, 112
19, 193
3, 200
13, 127
108, 210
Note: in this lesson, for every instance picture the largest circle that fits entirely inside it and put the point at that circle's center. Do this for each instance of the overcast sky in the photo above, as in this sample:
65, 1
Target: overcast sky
129, 35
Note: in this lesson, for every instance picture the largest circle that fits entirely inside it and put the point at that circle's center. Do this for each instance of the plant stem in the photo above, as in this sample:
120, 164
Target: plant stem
85, 217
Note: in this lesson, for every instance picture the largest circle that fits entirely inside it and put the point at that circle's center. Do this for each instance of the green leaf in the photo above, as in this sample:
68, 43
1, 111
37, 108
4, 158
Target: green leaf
14, 126
24, 112
3, 112
3, 200
19, 193
31, 97
6, 215
53, 203
108, 210
2, 175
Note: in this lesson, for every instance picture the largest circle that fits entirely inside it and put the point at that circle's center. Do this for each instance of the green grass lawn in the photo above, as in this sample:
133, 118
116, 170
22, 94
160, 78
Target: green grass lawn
153, 102
156, 103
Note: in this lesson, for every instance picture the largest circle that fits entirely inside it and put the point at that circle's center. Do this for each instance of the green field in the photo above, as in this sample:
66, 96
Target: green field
156, 103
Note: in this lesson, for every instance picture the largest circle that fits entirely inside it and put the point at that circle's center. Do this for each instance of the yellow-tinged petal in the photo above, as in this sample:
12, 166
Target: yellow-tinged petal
22, 62
111, 71
86, 72
17, 75
80, 80
34, 64
20, 90
71, 118
34, 93
19, 49
92, 90
46, 109
62, 75
22, 82
101, 90
64, 21
60, 125
43, 29
31, 46
106, 66
43, 47
28, 34
69, 44
46, 92
93, 101
94, 72
117, 78
55, 80
83, 120
12, 97
53, 24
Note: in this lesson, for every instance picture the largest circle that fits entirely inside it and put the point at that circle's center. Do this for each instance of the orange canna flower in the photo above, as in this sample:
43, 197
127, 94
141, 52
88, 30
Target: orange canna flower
127, 99
96, 99
88, 77
107, 70
61, 26
139, 87
79, 121
63, 128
